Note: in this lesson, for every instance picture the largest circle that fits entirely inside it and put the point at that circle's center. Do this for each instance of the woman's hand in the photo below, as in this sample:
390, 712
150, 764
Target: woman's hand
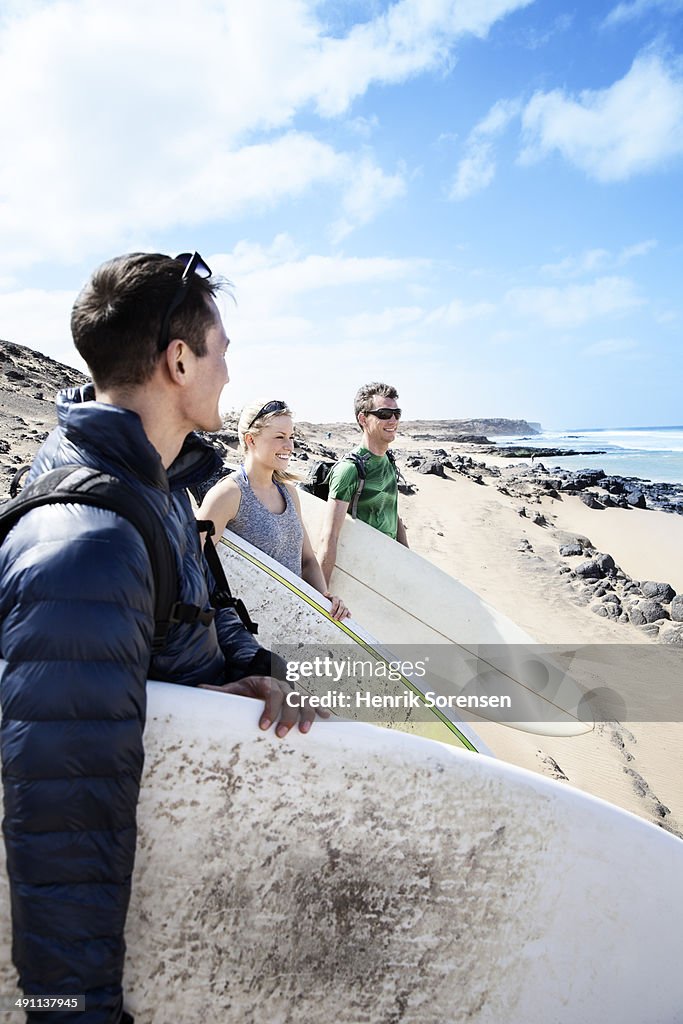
338, 609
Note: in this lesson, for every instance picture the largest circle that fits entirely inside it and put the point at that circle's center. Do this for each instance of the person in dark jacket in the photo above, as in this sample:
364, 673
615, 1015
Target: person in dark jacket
77, 620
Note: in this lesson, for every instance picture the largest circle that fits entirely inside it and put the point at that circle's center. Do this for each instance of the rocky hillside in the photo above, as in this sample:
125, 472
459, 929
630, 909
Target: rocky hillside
29, 382
490, 427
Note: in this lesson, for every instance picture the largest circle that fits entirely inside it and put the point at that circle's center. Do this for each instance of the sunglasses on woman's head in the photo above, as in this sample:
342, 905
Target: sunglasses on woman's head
385, 413
275, 406
194, 264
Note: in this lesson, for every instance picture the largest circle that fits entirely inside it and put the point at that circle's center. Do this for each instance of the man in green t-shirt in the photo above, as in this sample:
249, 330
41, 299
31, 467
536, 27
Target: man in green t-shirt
377, 414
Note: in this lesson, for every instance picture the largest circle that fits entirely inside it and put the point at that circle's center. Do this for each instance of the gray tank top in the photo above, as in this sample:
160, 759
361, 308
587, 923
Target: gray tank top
280, 535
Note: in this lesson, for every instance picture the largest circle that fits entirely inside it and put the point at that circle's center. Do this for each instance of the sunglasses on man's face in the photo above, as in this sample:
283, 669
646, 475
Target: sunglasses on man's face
385, 413
194, 264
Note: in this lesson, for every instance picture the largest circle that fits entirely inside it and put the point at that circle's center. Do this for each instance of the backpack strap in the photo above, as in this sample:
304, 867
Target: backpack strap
14, 486
400, 479
222, 596
361, 464
87, 486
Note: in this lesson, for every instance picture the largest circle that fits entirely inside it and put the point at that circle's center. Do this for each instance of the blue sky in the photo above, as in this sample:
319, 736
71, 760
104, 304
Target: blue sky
478, 201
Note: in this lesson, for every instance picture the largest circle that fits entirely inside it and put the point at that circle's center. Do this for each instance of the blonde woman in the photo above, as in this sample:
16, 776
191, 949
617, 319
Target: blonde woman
259, 501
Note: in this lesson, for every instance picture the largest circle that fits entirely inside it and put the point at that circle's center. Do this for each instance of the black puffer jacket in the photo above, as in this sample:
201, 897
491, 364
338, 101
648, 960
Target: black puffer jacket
76, 623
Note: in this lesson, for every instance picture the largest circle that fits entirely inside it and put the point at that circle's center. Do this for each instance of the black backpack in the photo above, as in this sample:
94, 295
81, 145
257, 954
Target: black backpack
318, 481
87, 486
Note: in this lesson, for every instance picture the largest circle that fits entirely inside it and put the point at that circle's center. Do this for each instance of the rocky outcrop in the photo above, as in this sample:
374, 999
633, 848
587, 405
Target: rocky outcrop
451, 429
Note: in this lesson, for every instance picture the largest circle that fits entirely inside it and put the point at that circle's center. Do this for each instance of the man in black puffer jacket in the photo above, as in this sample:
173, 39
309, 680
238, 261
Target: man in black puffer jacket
77, 620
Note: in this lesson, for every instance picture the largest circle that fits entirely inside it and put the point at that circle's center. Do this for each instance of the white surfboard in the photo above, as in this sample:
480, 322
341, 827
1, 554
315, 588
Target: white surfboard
295, 614
359, 874
294, 620
405, 600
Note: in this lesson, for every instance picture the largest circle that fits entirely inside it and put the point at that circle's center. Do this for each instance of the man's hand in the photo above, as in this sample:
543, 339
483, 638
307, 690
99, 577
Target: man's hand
273, 692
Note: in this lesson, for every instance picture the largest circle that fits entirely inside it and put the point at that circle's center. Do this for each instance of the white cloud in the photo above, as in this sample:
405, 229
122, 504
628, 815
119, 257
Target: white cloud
457, 312
637, 8
369, 190
636, 250
634, 126
120, 120
410, 37
368, 325
263, 275
611, 347
594, 261
477, 168
575, 305
475, 171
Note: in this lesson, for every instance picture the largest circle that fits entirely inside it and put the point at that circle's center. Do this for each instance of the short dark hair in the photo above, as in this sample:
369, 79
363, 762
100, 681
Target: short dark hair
116, 320
362, 403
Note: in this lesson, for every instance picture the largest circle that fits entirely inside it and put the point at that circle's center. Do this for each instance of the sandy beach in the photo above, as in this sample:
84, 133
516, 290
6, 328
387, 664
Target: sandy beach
491, 524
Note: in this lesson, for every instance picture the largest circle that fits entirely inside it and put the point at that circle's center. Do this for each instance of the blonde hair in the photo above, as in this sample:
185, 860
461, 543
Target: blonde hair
250, 422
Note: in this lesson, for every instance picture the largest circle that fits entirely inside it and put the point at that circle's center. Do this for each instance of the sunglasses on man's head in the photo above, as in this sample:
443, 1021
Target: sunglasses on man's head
194, 264
385, 413
275, 406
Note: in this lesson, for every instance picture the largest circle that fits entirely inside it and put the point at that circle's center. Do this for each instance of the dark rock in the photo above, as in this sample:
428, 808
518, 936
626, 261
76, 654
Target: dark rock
606, 562
524, 545
595, 568
676, 610
607, 611
590, 500
539, 519
470, 438
646, 611
15, 375
636, 499
589, 570
659, 591
522, 512
568, 550
587, 478
431, 466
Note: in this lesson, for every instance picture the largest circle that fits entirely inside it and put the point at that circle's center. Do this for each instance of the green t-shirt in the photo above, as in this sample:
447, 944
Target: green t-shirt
378, 503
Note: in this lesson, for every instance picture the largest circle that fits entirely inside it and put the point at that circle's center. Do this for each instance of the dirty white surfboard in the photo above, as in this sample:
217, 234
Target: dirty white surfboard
361, 875
503, 661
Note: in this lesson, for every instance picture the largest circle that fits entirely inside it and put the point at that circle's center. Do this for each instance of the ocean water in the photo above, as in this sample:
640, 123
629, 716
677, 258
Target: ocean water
649, 453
